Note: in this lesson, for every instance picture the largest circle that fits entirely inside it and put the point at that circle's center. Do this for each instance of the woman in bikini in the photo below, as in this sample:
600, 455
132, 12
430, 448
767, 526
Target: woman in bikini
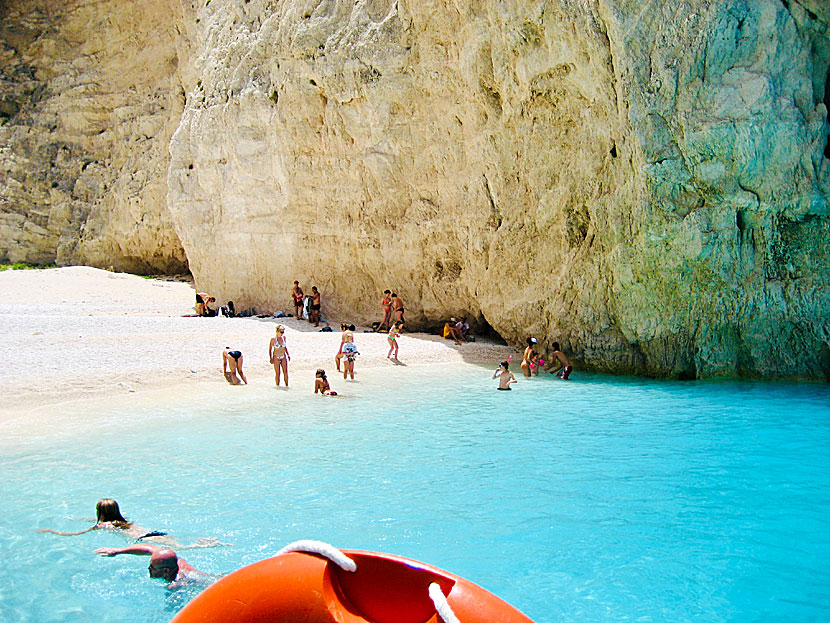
386, 304
392, 338
231, 365
278, 355
109, 517
528, 357
321, 384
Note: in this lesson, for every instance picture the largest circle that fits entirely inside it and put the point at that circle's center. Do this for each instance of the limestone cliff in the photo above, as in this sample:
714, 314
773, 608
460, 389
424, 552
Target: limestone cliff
89, 97
646, 183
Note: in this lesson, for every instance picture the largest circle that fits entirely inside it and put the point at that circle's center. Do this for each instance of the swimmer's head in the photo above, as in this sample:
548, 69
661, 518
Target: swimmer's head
504, 365
164, 564
107, 510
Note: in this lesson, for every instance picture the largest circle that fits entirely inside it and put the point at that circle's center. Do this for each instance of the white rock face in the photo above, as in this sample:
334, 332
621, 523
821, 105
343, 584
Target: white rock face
645, 183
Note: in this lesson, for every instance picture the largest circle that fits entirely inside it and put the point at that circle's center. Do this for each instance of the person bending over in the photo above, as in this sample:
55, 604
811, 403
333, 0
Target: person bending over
231, 365
564, 367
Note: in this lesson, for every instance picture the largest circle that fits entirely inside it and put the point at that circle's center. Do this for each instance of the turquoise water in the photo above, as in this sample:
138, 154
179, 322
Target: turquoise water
600, 499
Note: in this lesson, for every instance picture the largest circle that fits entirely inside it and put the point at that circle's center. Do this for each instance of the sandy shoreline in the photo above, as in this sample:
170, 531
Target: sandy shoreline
78, 333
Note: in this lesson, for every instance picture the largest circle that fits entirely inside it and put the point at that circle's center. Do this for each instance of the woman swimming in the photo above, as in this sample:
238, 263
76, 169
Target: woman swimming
278, 355
109, 517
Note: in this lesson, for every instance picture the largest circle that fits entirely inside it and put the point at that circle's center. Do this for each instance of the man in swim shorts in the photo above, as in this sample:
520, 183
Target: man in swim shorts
297, 300
164, 563
564, 368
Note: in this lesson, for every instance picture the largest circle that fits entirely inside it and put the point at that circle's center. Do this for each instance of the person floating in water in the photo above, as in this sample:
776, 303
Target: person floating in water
164, 563
109, 517
504, 375
231, 365
278, 355
564, 367
321, 384
392, 338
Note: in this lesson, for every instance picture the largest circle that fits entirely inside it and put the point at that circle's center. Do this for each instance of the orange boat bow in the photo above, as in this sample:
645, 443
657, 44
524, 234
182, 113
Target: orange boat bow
302, 587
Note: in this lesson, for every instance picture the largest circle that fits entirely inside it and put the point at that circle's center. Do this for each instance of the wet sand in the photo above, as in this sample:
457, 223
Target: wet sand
81, 334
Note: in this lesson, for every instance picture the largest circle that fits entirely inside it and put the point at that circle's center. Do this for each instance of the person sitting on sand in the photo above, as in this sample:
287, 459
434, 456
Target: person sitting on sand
564, 368
321, 384
527, 357
392, 338
109, 517
297, 300
164, 563
202, 308
504, 375
278, 355
386, 305
231, 365
452, 332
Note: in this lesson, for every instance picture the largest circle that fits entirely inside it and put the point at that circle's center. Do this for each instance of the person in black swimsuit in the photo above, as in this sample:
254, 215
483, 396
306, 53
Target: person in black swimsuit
231, 365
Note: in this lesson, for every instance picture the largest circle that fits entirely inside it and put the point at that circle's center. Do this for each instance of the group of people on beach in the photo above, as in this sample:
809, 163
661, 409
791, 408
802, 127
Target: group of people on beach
159, 546
278, 355
306, 306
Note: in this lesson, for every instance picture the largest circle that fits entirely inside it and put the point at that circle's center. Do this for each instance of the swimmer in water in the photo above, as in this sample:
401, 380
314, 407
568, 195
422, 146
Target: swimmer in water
528, 357
109, 517
321, 384
505, 376
164, 563
231, 364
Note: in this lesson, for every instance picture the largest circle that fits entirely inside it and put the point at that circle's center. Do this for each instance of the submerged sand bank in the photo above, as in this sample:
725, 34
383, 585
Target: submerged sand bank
79, 333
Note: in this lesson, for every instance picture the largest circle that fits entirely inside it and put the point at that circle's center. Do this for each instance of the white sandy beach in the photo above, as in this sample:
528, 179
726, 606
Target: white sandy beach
80, 333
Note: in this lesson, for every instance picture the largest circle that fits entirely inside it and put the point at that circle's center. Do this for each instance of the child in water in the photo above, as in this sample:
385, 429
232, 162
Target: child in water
505, 376
321, 384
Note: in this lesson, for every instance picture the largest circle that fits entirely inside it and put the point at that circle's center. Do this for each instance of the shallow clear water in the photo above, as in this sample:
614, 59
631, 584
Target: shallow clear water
600, 499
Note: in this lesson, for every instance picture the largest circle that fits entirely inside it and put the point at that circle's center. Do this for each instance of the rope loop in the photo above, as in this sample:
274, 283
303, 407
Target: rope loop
323, 549
441, 604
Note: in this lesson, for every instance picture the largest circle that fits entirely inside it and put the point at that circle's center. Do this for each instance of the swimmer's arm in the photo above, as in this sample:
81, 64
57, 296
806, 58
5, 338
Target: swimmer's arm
95, 527
137, 550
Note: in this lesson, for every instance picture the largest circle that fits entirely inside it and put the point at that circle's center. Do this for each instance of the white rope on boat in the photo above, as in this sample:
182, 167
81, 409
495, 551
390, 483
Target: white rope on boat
323, 549
441, 604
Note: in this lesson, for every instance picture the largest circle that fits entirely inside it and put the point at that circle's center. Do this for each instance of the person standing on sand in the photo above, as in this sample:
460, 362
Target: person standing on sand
231, 365
397, 307
278, 355
164, 563
505, 376
392, 338
349, 350
528, 357
297, 300
345, 336
315, 306
564, 368
386, 305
